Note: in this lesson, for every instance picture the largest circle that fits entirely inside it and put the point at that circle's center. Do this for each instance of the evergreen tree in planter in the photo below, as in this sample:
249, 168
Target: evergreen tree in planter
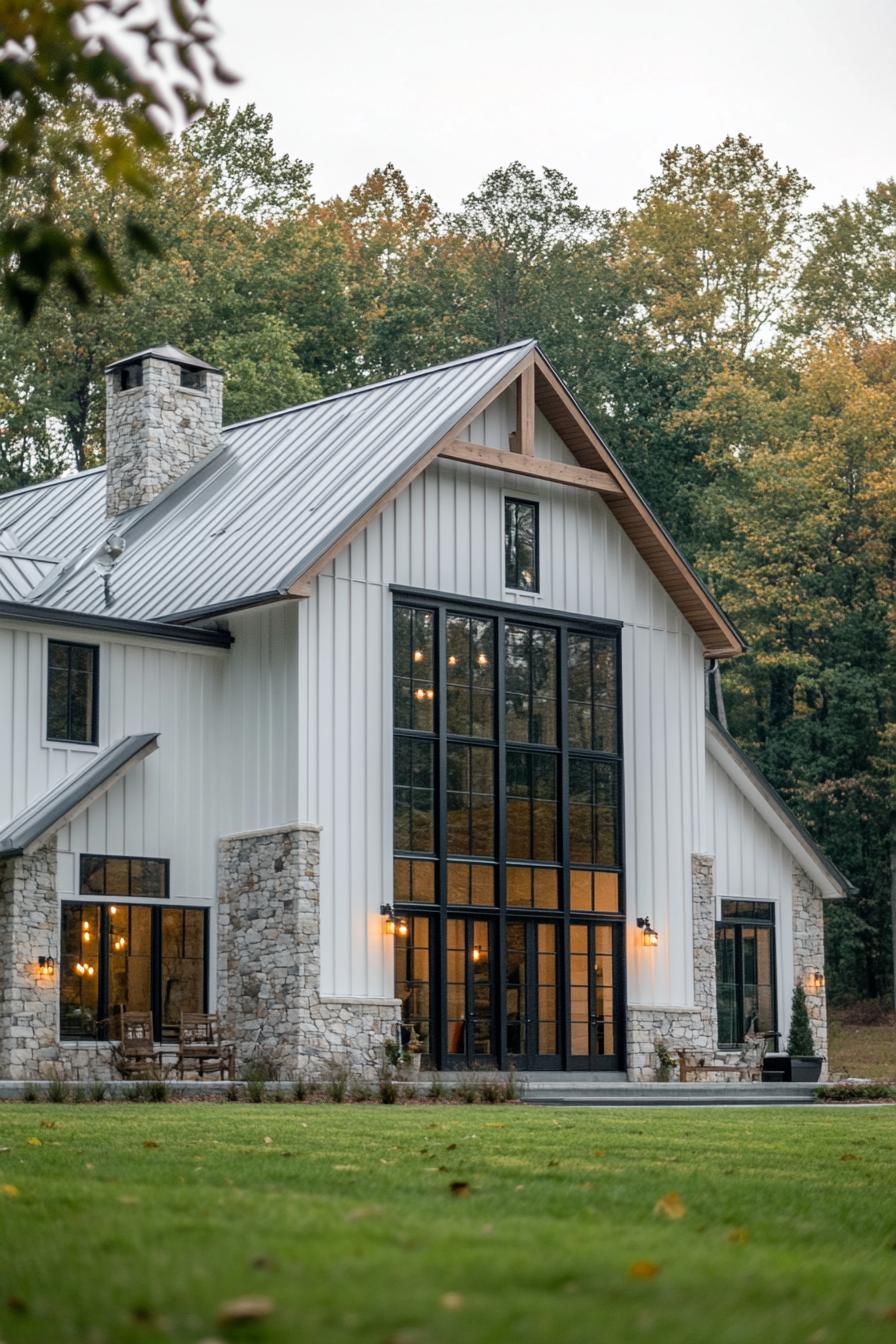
805, 1065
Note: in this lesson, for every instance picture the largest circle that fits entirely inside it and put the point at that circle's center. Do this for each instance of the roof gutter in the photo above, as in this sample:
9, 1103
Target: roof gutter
26, 611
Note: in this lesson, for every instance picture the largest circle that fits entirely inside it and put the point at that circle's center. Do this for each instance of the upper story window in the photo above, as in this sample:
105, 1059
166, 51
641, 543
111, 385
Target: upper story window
72, 683
521, 545
105, 875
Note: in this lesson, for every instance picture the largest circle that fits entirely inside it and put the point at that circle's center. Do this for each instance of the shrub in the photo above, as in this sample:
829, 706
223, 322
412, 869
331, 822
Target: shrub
300, 1089
57, 1092
98, 1091
467, 1092
388, 1088
856, 1092
491, 1091
800, 1042
437, 1089
667, 1061
233, 1092
79, 1095
30, 1092
256, 1091
336, 1081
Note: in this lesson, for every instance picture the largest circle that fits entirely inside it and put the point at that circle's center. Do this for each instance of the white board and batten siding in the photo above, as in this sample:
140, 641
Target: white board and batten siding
445, 534
227, 744
752, 864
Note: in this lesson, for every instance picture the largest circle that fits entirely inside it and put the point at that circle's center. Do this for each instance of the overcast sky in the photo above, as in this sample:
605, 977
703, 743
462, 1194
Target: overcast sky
596, 88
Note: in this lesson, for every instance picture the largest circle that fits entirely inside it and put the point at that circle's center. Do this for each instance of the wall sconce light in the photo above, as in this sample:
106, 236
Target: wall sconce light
815, 982
649, 936
394, 924
46, 966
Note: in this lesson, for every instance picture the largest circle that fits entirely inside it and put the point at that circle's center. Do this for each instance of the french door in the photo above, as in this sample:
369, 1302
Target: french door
508, 867
594, 997
532, 993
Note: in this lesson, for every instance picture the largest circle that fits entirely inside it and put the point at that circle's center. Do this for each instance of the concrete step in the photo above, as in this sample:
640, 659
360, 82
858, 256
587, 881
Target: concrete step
672, 1094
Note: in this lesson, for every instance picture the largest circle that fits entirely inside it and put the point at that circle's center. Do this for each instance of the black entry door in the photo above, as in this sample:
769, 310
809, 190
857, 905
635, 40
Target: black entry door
595, 1035
532, 993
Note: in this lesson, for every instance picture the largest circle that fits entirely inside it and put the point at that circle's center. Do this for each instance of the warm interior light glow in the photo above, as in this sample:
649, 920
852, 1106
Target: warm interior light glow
418, 655
113, 909
482, 660
477, 953
85, 937
86, 925
420, 694
452, 660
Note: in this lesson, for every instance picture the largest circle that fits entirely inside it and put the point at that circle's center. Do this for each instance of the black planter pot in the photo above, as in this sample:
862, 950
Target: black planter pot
776, 1069
805, 1068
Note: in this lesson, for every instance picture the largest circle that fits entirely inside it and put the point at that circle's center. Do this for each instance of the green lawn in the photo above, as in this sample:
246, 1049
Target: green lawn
136, 1222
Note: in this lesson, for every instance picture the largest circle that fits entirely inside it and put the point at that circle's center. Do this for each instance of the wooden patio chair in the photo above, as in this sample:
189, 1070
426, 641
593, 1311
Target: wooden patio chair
201, 1047
134, 1051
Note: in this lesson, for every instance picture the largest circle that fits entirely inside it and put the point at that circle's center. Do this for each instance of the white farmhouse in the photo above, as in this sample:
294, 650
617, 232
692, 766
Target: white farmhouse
380, 715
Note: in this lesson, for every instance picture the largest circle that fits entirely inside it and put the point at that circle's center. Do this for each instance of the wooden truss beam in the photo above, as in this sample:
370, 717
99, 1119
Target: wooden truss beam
478, 455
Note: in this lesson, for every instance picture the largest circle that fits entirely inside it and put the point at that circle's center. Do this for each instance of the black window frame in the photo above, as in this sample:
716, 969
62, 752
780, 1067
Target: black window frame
512, 570
129, 895
94, 650
442, 605
737, 921
105, 1030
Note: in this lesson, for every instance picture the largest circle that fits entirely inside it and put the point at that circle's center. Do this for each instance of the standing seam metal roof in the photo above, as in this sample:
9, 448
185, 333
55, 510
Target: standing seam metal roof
272, 499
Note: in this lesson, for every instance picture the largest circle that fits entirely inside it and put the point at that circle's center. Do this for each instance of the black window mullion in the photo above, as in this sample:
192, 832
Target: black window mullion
155, 970
563, 996
440, 782
102, 970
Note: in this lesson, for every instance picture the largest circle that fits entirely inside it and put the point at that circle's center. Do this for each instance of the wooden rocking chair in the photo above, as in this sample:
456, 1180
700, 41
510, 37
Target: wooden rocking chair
134, 1052
201, 1048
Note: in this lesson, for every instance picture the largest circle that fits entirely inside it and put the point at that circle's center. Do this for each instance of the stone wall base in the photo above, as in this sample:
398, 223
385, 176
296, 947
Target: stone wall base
28, 1001
269, 995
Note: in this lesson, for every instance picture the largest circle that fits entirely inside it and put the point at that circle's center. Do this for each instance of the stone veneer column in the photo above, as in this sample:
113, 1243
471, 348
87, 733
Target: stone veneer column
808, 954
689, 1028
29, 924
269, 995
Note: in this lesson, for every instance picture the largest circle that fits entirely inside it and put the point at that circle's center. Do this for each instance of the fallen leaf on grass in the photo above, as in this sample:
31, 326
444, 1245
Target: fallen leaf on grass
598, 1152
35, 1143
365, 1211
345, 1166
460, 1189
11, 1191
519, 1187
128, 1199
244, 1309
16, 1304
643, 1269
268, 1140
48, 1124
451, 1301
670, 1206
847, 1157
150, 1143
739, 1235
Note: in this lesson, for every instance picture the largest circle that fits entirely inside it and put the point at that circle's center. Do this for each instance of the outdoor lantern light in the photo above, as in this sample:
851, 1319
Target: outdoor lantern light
395, 924
815, 981
649, 936
46, 965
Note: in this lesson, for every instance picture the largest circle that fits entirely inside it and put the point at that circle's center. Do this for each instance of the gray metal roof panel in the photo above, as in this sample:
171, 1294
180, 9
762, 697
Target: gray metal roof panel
50, 520
45, 815
20, 573
277, 493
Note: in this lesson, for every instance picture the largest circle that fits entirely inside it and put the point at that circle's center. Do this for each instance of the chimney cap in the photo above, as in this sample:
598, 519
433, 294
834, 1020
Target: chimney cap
167, 352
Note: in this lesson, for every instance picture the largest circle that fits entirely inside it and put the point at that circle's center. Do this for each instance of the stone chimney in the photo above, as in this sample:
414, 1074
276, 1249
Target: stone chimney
163, 413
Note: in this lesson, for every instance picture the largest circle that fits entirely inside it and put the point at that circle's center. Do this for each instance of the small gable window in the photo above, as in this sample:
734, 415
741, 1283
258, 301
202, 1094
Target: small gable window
72, 683
521, 545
